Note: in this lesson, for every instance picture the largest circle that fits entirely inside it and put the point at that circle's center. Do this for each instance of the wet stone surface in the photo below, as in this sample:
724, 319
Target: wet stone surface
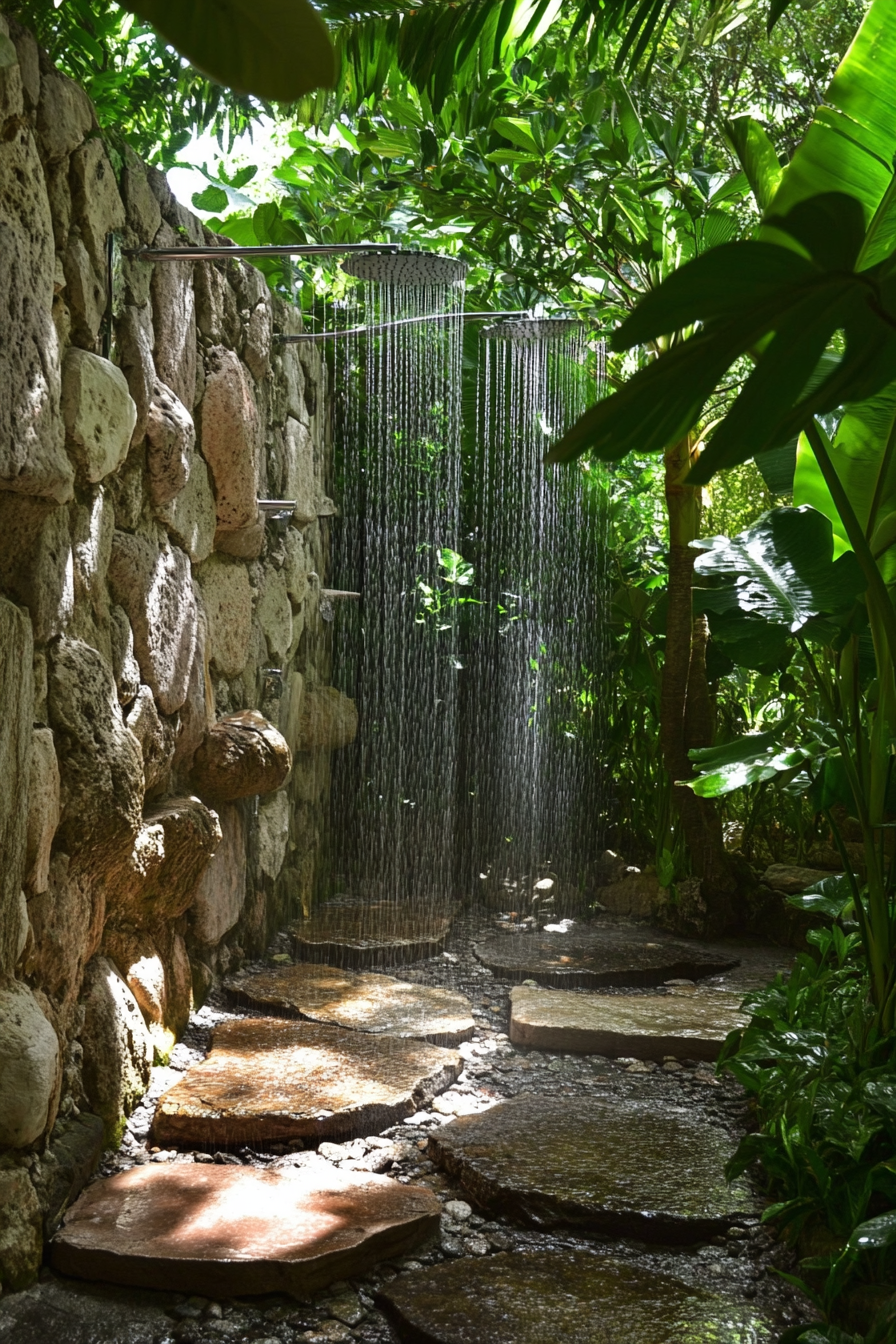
644, 1026
589, 956
572, 1296
374, 1003
270, 1080
219, 1230
623, 1168
736, 1265
362, 935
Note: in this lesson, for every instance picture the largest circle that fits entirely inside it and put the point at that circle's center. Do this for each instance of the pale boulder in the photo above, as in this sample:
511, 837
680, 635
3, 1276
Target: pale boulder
153, 583
155, 735
174, 321
227, 597
222, 888
273, 832
17, 698
33, 460
44, 809
118, 1051
170, 436
189, 518
327, 720
21, 1230
29, 1067
98, 412
274, 613
64, 115
230, 439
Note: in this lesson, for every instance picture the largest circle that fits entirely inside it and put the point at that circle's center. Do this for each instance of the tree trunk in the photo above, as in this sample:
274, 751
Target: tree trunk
686, 711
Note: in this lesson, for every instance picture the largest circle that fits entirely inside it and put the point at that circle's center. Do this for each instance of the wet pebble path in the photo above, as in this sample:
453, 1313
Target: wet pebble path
741, 1263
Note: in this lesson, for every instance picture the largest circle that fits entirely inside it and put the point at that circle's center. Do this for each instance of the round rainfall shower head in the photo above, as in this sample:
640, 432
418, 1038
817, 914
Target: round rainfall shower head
531, 329
405, 268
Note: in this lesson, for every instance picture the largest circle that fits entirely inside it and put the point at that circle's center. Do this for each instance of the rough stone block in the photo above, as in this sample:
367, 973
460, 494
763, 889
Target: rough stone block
141, 206
100, 759
118, 1051
257, 344
272, 1080
169, 857
155, 735
29, 63
12, 96
17, 698
273, 832
64, 114
189, 518
21, 1240
170, 436
327, 720
67, 920
242, 755
67, 1165
300, 483
221, 1230
643, 1026
36, 561
230, 439
124, 664
44, 809
227, 597
85, 293
96, 204
174, 321
154, 585
98, 412
374, 1003
29, 1067
32, 440
246, 543
274, 613
198, 711
222, 887
134, 338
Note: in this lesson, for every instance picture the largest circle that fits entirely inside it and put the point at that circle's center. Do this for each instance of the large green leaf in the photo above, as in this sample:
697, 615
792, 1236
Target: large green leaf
864, 455
757, 157
851, 142
753, 759
783, 568
277, 49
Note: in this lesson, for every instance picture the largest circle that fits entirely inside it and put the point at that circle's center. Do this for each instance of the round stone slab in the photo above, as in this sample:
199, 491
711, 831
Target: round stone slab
222, 1230
620, 1167
589, 956
642, 1026
383, 933
267, 1080
534, 1297
361, 1002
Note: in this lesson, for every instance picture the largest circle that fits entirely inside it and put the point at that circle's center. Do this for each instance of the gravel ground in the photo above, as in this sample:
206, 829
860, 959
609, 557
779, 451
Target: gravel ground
740, 1263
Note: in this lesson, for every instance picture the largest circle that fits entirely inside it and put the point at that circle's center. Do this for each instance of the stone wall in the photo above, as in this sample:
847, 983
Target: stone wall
155, 633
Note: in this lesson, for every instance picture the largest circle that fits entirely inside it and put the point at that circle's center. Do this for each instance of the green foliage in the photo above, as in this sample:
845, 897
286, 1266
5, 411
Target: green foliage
274, 49
821, 1077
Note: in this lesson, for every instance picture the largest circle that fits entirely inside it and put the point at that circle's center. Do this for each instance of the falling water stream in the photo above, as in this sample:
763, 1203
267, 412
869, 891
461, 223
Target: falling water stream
531, 715
394, 791
476, 753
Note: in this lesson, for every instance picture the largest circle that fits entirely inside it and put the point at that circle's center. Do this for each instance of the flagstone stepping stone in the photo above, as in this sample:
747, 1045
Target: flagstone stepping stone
638, 1025
269, 1080
362, 1002
622, 1167
221, 1231
587, 956
382, 933
579, 1298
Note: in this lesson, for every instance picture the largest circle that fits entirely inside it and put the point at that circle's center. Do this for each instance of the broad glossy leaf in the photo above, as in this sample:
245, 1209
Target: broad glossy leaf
876, 1234
517, 131
851, 142
868, 473
757, 157
277, 49
783, 568
829, 897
